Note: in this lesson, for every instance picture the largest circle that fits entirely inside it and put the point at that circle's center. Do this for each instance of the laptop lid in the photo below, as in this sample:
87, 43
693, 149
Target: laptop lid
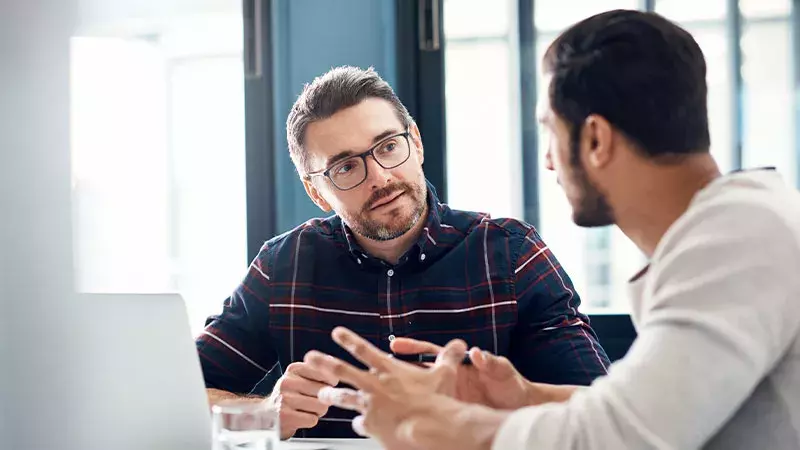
146, 386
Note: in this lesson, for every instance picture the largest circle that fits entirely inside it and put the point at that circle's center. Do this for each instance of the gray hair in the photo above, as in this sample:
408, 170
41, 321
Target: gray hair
337, 89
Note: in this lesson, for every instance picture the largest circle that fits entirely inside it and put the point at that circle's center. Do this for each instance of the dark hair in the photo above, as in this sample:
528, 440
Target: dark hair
337, 89
641, 72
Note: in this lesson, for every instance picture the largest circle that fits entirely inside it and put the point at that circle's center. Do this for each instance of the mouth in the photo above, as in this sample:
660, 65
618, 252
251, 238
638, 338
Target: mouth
387, 201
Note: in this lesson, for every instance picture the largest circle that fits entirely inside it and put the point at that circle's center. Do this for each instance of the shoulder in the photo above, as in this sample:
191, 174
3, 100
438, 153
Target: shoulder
310, 232
733, 256
469, 222
748, 215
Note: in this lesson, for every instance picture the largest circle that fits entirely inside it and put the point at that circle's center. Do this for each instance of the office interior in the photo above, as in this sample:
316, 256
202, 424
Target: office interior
146, 150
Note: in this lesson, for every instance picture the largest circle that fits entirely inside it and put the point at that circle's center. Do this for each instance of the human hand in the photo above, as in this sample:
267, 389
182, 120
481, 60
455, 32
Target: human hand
404, 405
490, 381
439, 378
295, 395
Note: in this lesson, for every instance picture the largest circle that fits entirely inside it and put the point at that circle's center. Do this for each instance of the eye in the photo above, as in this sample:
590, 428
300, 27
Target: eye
344, 169
388, 147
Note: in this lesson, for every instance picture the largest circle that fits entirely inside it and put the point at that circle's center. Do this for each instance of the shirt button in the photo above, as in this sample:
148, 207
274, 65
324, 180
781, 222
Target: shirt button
391, 337
422, 257
390, 272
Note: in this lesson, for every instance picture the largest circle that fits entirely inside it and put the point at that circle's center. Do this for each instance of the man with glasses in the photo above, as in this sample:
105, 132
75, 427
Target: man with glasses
392, 262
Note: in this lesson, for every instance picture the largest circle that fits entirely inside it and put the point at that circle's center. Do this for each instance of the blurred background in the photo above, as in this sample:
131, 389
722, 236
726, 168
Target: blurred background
180, 169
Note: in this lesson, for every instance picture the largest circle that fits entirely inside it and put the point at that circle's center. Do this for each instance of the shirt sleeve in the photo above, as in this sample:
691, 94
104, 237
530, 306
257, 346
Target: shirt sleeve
553, 342
716, 317
235, 349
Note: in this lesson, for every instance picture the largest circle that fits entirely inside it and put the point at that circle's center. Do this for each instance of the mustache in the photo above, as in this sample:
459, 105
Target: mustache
386, 191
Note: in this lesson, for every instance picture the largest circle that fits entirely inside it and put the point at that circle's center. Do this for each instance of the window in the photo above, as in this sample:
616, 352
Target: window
765, 9
553, 17
484, 158
708, 26
598, 260
158, 152
682, 11
768, 112
482, 101
765, 46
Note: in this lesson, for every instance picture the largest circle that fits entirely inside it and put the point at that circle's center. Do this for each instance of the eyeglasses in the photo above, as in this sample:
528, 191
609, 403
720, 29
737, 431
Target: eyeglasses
351, 172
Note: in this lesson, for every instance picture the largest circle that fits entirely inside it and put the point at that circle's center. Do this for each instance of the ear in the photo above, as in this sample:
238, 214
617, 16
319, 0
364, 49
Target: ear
416, 141
315, 195
597, 140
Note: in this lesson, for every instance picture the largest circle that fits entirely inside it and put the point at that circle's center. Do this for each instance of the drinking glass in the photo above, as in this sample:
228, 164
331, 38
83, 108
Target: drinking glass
245, 425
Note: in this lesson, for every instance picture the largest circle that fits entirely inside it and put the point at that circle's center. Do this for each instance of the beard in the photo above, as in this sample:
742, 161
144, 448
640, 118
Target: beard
592, 208
399, 220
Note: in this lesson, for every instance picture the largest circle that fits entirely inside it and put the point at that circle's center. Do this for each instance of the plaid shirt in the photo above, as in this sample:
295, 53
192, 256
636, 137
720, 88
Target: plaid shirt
493, 283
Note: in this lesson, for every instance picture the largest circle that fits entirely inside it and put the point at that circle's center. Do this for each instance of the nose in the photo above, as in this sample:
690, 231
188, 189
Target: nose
376, 174
548, 161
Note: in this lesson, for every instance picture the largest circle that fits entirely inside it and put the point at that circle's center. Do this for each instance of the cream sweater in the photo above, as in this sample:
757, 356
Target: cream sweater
717, 360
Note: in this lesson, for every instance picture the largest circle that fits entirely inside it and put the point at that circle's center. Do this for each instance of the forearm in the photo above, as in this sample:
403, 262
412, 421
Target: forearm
538, 393
217, 395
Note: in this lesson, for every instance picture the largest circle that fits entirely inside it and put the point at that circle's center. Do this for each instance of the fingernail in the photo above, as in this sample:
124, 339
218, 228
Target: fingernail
358, 426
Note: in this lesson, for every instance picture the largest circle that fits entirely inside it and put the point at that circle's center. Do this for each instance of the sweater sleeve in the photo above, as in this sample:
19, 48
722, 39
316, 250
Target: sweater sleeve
715, 317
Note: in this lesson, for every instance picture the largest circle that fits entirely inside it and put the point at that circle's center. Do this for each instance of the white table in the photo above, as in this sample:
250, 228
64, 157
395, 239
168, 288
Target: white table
330, 444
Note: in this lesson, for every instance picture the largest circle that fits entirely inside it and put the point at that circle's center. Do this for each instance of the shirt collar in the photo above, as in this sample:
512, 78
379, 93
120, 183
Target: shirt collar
429, 239
428, 243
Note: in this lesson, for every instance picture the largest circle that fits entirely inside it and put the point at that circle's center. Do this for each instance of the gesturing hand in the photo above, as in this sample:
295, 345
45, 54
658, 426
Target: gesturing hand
405, 405
491, 380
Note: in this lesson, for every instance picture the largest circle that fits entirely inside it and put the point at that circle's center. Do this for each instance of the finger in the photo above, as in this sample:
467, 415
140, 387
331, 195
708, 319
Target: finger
292, 419
497, 367
452, 354
345, 398
408, 346
341, 370
304, 403
358, 426
300, 385
363, 350
476, 356
311, 373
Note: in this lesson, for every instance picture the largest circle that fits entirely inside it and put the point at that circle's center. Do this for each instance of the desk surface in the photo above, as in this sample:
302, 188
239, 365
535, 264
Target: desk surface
330, 444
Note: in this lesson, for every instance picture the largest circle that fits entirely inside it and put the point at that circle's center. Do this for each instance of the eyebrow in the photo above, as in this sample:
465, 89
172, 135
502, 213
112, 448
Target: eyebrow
348, 153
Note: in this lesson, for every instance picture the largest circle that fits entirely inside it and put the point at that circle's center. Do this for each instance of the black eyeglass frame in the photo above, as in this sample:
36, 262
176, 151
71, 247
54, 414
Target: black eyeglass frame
371, 152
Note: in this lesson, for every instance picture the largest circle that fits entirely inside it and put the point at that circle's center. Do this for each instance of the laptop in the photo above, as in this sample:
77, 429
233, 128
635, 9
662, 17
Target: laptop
145, 386
147, 389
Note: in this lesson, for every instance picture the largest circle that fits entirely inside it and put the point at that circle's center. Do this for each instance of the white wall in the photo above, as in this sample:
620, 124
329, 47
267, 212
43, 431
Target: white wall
39, 388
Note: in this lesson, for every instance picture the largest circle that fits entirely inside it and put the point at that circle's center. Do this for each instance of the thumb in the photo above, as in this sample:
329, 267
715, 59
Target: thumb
408, 346
452, 354
493, 366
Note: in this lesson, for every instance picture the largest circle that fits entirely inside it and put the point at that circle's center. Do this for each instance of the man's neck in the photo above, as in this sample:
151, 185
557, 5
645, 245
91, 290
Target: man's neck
662, 197
391, 250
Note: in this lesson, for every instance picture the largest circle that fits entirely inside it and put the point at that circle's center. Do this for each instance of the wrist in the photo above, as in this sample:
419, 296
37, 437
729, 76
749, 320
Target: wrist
483, 424
535, 394
538, 393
